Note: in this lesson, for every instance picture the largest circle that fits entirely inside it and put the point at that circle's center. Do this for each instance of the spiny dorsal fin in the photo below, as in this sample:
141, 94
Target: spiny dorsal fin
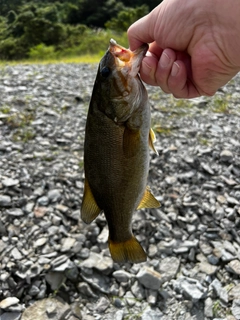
131, 141
148, 200
89, 209
152, 139
127, 251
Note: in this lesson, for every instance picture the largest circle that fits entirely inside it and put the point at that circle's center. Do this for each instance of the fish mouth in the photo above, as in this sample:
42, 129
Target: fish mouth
127, 58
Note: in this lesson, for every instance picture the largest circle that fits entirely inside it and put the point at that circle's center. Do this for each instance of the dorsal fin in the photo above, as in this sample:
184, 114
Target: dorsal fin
148, 200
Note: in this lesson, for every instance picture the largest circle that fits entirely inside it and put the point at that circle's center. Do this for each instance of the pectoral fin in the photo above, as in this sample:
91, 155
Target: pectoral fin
148, 200
89, 209
131, 141
152, 139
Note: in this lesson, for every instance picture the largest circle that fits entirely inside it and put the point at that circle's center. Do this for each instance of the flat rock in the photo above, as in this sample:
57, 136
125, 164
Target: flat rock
149, 278
46, 309
8, 302
234, 267
190, 288
11, 316
169, 267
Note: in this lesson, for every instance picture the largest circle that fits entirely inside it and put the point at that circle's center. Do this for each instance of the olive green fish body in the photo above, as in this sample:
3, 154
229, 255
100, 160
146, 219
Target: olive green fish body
116, 155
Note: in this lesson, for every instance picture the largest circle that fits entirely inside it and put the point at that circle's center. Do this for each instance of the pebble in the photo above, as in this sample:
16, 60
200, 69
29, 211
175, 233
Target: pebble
234, 267
8, 302
236, 308
149, 278
169, 267
10, 182
190, 288
11, 316
226, 155
122, 276
5, 201
46, 249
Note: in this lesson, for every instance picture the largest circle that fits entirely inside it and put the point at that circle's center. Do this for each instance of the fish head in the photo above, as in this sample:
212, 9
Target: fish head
118, 79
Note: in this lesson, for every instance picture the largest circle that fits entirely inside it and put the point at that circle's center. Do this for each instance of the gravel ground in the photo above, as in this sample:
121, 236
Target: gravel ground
53, 266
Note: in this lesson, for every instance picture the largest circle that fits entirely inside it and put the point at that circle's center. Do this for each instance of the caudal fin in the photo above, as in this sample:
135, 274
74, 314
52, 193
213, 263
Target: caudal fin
127, 251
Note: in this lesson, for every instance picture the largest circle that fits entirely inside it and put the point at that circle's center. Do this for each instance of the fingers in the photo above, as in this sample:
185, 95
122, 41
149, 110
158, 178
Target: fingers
140, 32
169, 70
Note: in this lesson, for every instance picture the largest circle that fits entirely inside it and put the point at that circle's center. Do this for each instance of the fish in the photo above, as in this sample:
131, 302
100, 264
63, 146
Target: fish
116, 150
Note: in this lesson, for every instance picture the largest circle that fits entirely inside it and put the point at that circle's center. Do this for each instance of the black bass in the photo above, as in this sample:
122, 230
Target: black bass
116, 150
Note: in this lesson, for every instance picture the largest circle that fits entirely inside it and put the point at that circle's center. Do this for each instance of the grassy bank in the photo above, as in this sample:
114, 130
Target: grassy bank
87, 58
91, 47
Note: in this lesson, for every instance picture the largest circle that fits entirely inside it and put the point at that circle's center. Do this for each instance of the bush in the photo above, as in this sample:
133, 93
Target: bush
41, 52
11, 48
126, 17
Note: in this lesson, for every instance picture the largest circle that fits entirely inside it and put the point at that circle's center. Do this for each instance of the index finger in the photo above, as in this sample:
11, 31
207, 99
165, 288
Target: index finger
140, 32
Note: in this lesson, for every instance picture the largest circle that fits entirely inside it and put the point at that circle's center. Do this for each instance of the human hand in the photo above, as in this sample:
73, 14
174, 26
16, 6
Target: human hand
194, 45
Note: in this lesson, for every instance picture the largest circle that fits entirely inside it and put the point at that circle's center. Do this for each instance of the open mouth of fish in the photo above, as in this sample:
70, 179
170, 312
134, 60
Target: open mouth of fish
127, 58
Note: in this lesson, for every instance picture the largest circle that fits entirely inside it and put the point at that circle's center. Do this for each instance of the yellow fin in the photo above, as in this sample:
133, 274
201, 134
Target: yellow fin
152, 139
148, 200
127, 251
89, 209
131, 140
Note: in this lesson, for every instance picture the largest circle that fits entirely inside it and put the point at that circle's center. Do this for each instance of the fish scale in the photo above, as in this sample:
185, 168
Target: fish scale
116, 150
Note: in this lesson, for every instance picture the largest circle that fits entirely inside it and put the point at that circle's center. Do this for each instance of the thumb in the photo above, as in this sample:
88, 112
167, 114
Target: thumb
140, 32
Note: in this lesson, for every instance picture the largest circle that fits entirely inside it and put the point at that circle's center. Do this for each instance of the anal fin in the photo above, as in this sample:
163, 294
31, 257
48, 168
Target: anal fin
148, 200
127, 251
89, 208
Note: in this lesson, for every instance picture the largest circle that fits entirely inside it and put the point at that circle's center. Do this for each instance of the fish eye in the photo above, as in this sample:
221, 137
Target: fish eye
105, 72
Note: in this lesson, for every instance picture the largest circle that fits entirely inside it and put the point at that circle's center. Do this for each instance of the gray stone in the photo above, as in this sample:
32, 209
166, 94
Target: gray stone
34, 291
151, 314
55, 279
236, 308
54, 195
102, 305
10, 182
207, 268
122, 276
67, 244
43, 201
226, 155
149, 278
99, 262
234, 267
138, 290
46, 309
234, 293
17, 212
208, 308
40, 242
190, 288
11, 316
16, 254
97, 281
8, 302
119, 315
86, 290
169, 267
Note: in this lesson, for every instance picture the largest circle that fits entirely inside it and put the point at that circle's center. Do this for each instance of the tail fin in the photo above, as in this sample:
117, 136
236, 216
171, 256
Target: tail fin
127, 251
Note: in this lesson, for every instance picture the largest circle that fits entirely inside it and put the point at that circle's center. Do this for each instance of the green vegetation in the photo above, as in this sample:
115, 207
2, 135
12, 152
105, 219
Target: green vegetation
220, 104
60, 29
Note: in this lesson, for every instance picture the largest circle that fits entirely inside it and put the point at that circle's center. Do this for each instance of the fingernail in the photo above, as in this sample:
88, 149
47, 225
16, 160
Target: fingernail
164, 60
175, 69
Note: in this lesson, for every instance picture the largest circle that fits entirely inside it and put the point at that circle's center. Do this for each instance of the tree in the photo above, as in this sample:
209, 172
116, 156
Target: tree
126, 17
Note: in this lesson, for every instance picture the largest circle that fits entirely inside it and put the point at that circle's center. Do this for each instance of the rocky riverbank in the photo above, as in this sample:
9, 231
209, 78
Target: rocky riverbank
52, 266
